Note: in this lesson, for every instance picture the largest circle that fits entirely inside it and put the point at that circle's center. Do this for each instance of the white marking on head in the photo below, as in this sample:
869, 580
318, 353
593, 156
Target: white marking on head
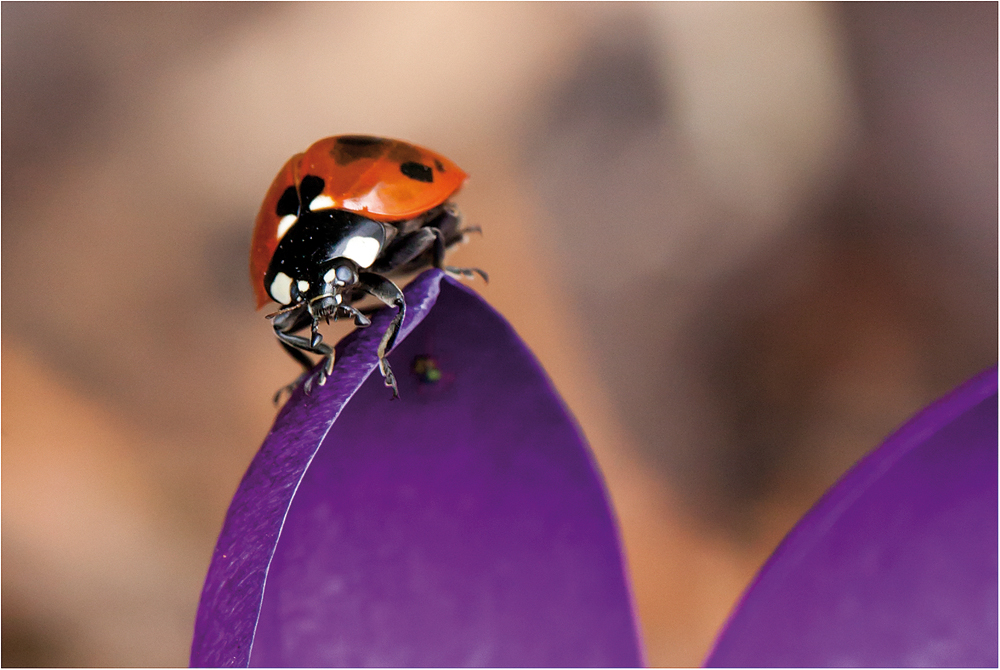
330, 275
321, 202
362, 250
303, 285
281, 288
286, 222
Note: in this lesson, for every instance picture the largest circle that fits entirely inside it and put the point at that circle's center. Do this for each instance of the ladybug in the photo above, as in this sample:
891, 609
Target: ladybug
337, 221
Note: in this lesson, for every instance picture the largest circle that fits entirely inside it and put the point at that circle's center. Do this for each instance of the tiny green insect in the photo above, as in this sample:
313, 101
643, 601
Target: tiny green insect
426, 369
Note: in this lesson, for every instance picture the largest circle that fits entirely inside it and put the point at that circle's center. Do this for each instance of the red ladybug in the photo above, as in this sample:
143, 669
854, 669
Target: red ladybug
337, 219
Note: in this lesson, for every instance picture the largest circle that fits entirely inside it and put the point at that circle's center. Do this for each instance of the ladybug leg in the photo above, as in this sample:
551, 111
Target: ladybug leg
415, 248
300, 344
468, 229
360, 318
383, 289
304, 361
449, 222
295, 345
287, 322
467, 273
448, 234
411, 246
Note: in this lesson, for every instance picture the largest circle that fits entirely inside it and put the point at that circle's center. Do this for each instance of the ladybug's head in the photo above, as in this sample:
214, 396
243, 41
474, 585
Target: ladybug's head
334, 279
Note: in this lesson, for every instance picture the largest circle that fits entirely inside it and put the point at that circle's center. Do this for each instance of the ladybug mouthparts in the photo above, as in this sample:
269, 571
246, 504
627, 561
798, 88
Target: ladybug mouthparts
323, 306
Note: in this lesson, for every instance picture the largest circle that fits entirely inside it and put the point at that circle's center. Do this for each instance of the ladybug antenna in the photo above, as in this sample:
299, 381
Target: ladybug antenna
284, 310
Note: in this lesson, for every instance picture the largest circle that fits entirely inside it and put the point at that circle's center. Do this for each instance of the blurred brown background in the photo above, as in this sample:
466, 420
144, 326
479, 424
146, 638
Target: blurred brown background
745, 240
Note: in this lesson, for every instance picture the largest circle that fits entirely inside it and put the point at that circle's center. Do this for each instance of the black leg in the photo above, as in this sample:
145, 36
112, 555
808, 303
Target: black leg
360, 317
430, 241
302, 344
295, 345
389, 293
410, 247
449, 234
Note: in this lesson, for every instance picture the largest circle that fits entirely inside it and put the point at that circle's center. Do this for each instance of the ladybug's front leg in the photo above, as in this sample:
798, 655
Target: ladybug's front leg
383, 289
284, 325
360, 318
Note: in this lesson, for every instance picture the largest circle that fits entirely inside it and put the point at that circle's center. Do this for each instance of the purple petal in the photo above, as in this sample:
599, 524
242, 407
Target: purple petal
897, 564
464, 524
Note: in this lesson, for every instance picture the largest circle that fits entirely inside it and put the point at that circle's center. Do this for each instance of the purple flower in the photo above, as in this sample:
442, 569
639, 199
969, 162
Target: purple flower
897, 564
463, 524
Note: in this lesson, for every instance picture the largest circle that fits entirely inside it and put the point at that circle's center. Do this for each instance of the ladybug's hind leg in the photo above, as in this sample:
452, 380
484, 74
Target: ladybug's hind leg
449, 222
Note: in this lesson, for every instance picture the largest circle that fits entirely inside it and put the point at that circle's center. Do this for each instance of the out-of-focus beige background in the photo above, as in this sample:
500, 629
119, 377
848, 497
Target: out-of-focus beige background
745, 240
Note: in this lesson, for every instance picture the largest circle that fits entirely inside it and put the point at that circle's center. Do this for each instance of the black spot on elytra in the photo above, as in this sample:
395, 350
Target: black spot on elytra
417, 171
401, 152
350, 148
438, 165
288, 203
360, 140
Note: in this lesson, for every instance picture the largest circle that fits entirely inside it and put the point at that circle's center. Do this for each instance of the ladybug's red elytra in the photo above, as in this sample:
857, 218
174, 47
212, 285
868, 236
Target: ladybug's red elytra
337, 220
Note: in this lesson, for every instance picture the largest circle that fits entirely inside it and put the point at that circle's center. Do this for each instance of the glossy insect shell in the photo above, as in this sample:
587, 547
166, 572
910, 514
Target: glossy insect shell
382, 179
